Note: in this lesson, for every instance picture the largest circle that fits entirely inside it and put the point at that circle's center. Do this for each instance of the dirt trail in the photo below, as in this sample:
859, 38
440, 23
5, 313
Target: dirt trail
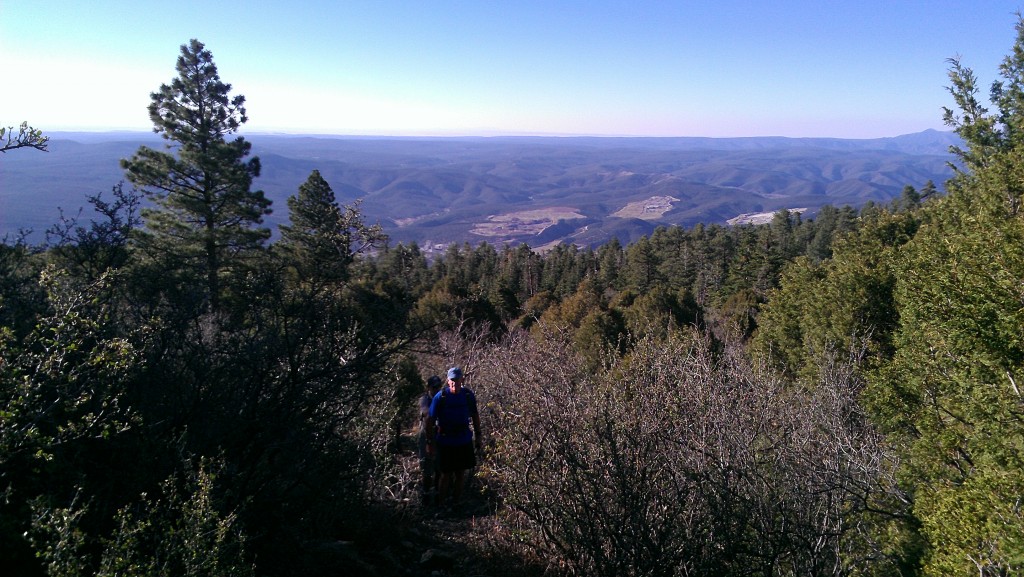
466, 538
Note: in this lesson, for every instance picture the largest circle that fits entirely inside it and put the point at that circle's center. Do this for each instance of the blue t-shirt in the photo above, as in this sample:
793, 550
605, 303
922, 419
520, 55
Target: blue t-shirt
452, 413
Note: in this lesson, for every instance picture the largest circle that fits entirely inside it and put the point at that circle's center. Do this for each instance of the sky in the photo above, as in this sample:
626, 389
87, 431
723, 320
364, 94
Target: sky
716, 68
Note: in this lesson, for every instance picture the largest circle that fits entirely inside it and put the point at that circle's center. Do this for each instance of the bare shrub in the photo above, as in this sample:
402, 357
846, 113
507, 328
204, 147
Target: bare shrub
675, 461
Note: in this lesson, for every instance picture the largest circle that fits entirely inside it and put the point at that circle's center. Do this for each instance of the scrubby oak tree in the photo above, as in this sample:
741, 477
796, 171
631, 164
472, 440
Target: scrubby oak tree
677, 461
26, 137
206, 217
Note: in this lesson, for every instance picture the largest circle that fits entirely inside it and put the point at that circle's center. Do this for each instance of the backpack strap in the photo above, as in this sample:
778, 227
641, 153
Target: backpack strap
440, 401
470, 399
439, 410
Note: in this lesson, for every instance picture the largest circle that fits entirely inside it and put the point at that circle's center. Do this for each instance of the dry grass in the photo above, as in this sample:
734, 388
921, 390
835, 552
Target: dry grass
525, 222
648, 209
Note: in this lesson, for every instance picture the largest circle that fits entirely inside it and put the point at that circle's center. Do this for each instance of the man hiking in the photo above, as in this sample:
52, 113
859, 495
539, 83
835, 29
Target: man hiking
428, 466
451, 413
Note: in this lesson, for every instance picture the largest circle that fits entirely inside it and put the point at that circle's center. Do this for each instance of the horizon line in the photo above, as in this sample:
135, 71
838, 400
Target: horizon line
487, 134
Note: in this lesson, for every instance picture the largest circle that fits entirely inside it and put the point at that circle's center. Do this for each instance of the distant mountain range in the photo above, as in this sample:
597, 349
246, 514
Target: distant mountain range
537, 190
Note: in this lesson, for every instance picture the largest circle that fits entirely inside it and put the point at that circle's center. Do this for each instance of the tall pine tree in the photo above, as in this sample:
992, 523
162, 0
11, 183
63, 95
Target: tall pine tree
206, 217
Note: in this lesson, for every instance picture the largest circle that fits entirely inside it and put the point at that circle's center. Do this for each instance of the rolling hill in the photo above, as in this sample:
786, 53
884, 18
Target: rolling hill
536, 190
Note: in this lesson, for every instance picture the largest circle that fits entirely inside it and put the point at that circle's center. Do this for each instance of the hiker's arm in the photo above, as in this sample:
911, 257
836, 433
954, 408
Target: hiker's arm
430, 440
431, 429
476, 429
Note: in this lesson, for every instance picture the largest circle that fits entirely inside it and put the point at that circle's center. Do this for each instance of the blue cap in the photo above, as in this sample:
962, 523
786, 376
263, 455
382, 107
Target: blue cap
454, 373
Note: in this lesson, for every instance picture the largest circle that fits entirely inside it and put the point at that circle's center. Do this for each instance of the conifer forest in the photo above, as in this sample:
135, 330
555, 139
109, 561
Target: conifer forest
186, 392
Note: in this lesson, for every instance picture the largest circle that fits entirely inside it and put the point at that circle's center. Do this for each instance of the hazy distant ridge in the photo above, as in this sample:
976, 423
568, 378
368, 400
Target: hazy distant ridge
439, 190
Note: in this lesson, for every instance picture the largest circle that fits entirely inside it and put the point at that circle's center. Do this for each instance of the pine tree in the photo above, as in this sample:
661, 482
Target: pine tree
206, 217
324, 238
641, 268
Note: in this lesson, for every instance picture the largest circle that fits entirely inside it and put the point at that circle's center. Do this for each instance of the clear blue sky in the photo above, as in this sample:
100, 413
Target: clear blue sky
854, 69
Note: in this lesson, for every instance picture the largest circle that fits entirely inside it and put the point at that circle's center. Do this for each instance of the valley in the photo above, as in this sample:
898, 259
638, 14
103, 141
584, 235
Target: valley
534, 190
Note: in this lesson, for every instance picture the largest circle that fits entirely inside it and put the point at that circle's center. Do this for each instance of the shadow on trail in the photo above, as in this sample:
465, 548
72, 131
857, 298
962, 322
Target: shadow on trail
411, 537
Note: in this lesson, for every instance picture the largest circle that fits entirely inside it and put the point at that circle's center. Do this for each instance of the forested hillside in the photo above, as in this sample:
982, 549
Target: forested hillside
538, 191
186, 393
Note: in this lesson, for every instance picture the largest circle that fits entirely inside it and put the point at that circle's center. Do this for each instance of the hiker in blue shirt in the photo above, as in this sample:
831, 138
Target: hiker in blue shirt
451, 412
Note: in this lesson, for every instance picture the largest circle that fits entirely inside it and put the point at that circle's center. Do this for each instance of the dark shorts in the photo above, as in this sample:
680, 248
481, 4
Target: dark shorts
451, 458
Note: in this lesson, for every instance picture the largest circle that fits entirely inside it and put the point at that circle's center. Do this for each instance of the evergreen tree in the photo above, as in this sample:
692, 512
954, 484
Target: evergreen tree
610, 260
829, 223
405, 266
206, 217
675, 248
840, 305
641, 269
928, 190
561, 273
324, 238
909, 199
951, 397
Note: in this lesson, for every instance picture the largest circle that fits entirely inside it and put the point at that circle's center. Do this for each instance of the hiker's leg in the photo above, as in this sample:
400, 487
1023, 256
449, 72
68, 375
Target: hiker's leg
459, 477
429, 487
441, 468
466, 461
427, 469
426, 461
444, 487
